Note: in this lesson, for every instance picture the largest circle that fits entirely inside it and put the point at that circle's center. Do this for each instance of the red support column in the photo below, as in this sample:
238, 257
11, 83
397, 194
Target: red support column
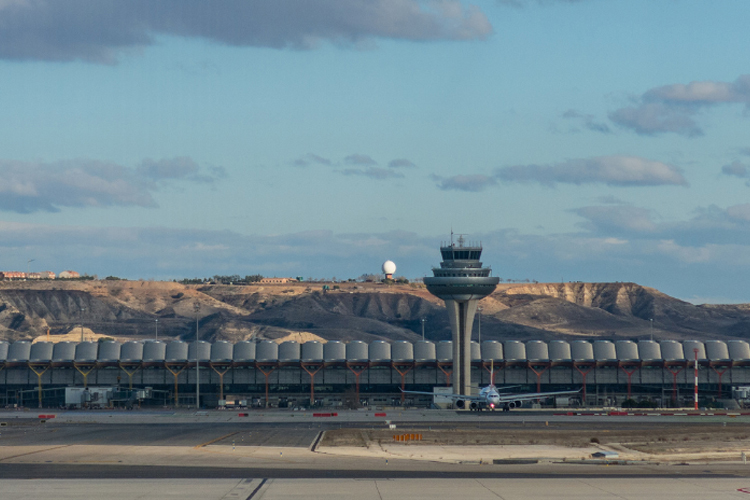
311, 370
584, 371
402, 369
444, 368
538, 374
175, 369
720, 373
221, 369
266, 369
629, 374
357, 369
674, 380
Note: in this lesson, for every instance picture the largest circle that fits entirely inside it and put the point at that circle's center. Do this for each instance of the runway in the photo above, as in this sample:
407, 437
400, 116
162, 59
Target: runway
395, 469
381, 489
245, 434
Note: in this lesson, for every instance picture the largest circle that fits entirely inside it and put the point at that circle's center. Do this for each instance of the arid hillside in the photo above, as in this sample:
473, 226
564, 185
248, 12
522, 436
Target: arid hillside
352, 311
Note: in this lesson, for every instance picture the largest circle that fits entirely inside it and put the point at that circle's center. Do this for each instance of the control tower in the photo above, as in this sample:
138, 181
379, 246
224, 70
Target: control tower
461, 281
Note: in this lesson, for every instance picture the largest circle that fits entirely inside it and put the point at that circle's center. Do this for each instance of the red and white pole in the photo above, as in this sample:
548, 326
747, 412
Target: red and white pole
696, 378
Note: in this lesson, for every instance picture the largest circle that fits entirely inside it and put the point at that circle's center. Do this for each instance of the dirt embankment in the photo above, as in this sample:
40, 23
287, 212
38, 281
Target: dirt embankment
651, 438
354, 311
660, 442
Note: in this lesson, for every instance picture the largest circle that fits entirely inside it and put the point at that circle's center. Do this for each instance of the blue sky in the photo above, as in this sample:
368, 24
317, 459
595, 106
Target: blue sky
591, 140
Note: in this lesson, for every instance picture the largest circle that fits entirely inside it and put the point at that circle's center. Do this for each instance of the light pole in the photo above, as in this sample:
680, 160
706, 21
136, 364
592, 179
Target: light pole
423, 320
651, 328
83, 310
196, 308
28, 268
156, 329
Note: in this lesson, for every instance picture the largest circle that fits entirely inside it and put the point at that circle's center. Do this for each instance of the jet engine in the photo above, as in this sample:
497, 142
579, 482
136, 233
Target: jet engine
473, 406
460, 403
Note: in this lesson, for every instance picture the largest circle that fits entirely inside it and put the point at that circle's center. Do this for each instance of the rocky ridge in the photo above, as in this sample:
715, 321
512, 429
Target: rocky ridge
372, 311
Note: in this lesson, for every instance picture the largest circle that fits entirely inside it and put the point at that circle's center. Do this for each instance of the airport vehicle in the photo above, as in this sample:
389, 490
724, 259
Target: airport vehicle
490, 398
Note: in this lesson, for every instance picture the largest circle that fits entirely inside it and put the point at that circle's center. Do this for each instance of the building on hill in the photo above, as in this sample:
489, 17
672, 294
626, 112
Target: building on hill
267, 281
69, 274
12, 275
44, 275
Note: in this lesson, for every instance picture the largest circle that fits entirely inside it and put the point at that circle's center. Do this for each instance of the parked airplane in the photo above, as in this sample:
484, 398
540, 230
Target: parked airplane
490, 398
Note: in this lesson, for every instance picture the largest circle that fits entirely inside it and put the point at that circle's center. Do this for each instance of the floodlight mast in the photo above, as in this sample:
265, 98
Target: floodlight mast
197, 308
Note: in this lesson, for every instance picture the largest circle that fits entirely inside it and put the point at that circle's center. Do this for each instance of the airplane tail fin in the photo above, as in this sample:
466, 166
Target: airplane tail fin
492, 372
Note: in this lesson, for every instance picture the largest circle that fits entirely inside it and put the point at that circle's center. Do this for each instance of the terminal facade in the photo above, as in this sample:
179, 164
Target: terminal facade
353, 374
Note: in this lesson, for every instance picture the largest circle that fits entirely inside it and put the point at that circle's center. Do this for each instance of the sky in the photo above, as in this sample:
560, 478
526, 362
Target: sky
577, 140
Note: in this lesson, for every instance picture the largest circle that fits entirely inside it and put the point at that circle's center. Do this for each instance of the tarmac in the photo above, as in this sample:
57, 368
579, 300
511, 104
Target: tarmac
269, 454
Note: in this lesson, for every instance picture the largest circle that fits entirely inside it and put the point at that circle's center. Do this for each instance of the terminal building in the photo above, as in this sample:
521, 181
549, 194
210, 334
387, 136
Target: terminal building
337, 374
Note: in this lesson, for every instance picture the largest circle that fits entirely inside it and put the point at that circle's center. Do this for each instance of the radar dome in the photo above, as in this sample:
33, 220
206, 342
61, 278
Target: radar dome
389, 267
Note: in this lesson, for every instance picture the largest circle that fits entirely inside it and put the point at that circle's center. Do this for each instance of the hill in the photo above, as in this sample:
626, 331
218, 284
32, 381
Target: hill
354, 311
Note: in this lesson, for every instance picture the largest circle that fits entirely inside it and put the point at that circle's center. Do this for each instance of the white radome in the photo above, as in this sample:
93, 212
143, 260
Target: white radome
389, 267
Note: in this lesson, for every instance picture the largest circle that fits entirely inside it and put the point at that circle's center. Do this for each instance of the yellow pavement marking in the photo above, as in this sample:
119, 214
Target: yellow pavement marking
216, 440
32, 452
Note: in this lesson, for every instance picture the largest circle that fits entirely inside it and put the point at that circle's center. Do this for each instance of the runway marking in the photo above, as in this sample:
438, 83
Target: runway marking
215, 440
37, 451
241, 489
317, 440
256, 490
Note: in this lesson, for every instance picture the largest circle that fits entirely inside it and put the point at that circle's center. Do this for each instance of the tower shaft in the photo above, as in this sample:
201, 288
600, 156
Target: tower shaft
461, 316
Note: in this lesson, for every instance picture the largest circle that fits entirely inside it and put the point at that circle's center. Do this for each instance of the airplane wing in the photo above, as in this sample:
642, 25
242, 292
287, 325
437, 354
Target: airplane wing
454, 397
506, 387
505, 398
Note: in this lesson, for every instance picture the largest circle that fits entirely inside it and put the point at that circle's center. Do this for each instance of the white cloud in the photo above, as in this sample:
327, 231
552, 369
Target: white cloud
610, 170
736, 169
526, 3
588, 121
373, 173
672, 108
618, 218
690, 255
401, 163
702, 93
739, 212
310, 159
472, 183
359, 159
654, 118
34, 186
99, 31
682, 260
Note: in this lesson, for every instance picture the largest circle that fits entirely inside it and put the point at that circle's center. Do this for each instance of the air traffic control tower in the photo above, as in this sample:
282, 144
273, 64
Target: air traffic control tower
461, 281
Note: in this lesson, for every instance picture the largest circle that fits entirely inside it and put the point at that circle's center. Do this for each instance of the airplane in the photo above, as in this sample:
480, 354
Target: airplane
490, 398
